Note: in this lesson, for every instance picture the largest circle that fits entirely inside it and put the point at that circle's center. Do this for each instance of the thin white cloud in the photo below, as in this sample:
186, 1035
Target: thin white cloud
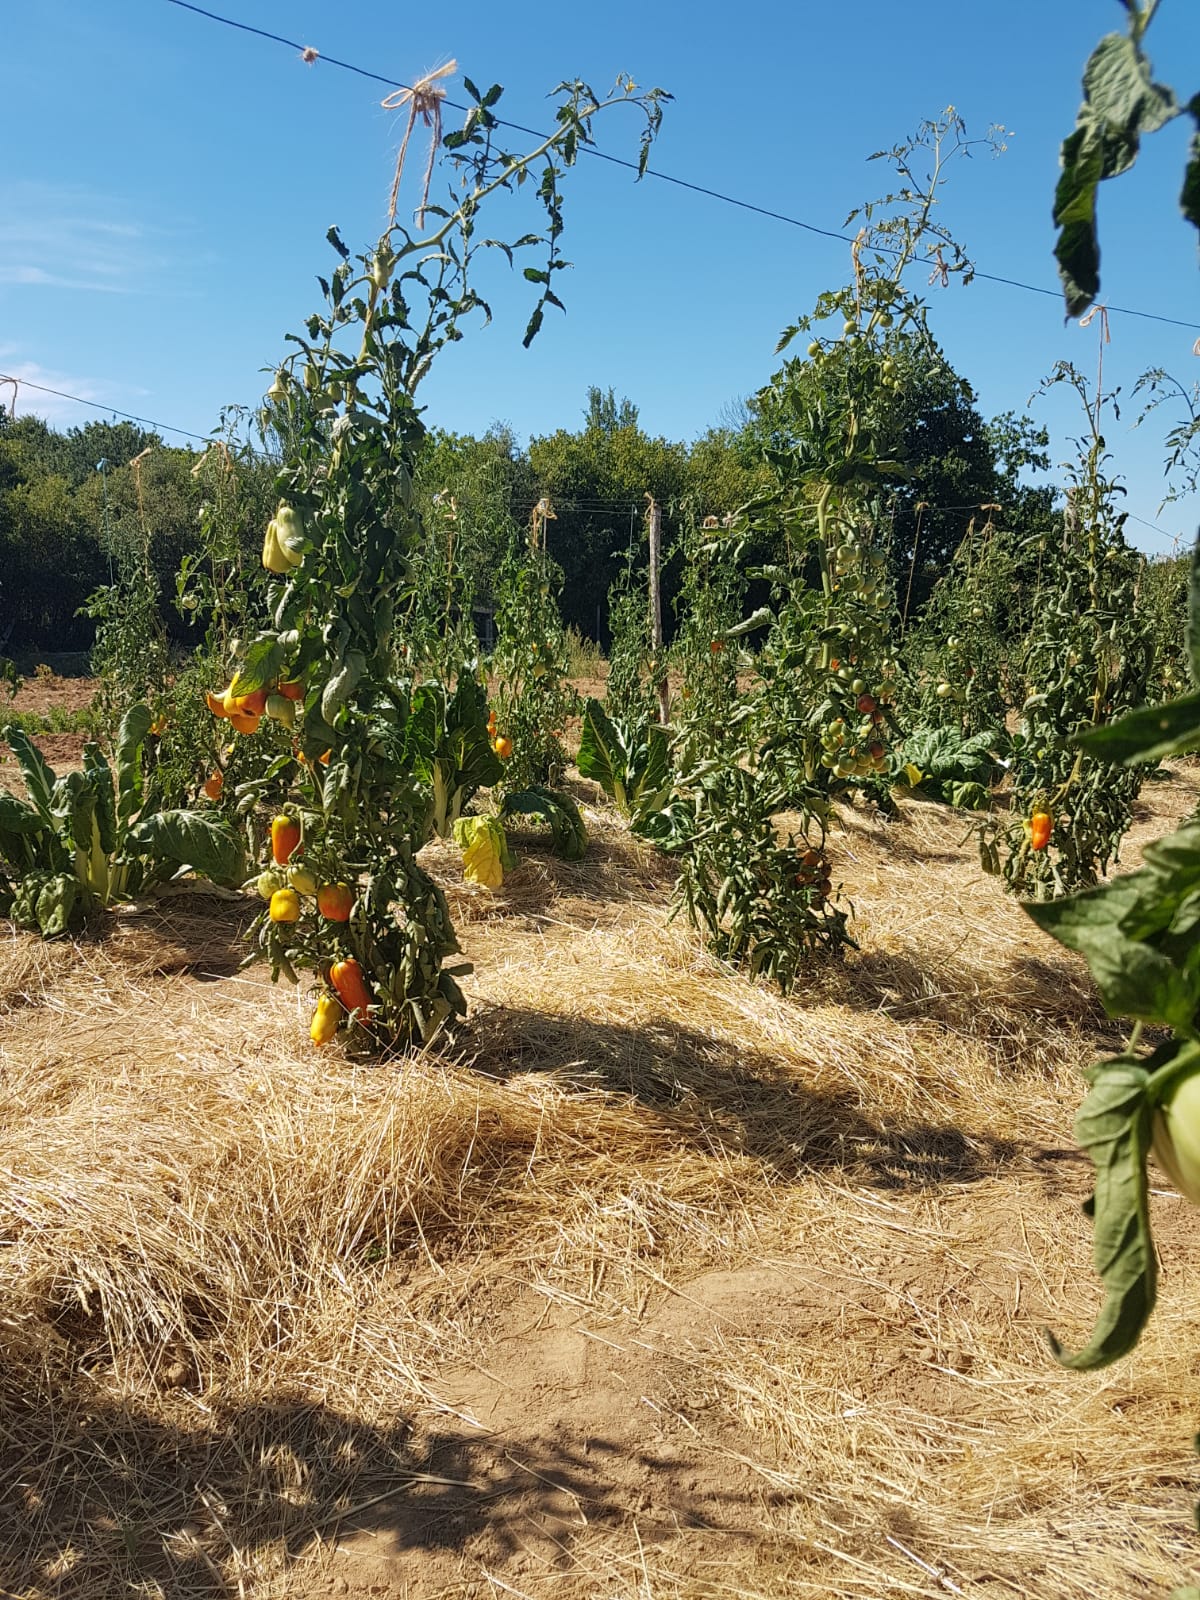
57, 237
54, 408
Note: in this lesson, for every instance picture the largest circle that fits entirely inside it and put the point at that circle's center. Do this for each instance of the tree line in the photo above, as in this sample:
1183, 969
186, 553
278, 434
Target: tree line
78, 507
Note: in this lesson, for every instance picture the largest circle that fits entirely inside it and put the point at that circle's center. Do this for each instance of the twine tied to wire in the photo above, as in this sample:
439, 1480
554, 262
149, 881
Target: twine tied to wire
423, 100
16, 389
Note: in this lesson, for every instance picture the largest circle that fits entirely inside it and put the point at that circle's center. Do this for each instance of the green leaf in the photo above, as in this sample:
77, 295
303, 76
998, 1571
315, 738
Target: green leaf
1113, 1125
46, 902
22, 844
1121, 103
131, 736
1189, 199
568, 835
187, 839
263, 663
464, 761
1193, 621
1137, 933
602, 754
1148, 734
17, 818
100, 777
39, 778
761, 618
342, 684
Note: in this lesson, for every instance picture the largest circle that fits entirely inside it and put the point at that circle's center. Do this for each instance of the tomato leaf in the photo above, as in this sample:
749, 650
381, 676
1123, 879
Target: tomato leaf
342, 684
1121, 103
263, 663
1113, 1125
1138, 933
1148, 734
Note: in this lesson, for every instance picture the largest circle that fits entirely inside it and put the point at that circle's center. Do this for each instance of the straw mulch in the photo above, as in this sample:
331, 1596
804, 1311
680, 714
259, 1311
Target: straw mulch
646, 1283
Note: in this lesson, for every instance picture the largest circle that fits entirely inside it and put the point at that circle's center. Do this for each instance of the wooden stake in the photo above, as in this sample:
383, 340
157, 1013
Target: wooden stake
654, 514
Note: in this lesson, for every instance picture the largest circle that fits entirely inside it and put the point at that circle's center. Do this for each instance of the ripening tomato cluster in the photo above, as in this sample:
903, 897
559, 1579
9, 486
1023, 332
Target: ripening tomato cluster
815, 875
292, 891
500, 744
245, 711
852, 744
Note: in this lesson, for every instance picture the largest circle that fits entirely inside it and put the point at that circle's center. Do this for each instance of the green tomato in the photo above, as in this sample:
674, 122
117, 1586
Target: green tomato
1176, 1135
302, 879
849, 327
943, 689
814, 349
269, 881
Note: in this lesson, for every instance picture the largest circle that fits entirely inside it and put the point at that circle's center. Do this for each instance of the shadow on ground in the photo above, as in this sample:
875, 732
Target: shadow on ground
719, 1097
115, 1499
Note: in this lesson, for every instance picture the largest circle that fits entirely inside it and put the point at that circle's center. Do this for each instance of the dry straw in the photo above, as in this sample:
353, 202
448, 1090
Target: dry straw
251, 1297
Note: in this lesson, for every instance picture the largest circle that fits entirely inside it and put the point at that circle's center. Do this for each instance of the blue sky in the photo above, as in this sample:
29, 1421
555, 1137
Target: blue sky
169, 183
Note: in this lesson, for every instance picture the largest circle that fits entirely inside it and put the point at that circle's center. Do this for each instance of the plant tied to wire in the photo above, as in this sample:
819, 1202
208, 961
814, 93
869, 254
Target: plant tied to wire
340, 553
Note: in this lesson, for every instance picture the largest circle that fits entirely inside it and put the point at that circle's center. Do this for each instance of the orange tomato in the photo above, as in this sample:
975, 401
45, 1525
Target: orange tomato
212, 786
255, 701
215, 703
285, 836
346, 977
1041, 825
244, 721
335, 901
503, 747
291, 691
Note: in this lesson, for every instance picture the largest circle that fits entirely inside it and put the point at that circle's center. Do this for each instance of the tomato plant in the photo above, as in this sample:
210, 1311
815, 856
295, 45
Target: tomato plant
828, 673
1086, 662
347, 529
533, 695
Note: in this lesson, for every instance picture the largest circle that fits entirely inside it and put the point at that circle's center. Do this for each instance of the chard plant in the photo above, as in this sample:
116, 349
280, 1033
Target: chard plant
91, 839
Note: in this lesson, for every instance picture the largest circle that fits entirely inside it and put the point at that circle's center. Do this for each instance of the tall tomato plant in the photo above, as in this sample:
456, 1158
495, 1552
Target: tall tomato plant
341, 547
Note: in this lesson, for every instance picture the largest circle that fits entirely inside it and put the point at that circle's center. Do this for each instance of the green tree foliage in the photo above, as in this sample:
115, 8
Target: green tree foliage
942, 461
475, 492
597, 480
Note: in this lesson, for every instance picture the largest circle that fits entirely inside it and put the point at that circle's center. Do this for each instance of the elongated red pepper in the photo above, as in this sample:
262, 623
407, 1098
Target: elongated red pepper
285, 836
346, 977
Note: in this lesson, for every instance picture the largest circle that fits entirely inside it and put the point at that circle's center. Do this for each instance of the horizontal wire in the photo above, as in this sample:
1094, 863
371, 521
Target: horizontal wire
667, 177
96, 405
